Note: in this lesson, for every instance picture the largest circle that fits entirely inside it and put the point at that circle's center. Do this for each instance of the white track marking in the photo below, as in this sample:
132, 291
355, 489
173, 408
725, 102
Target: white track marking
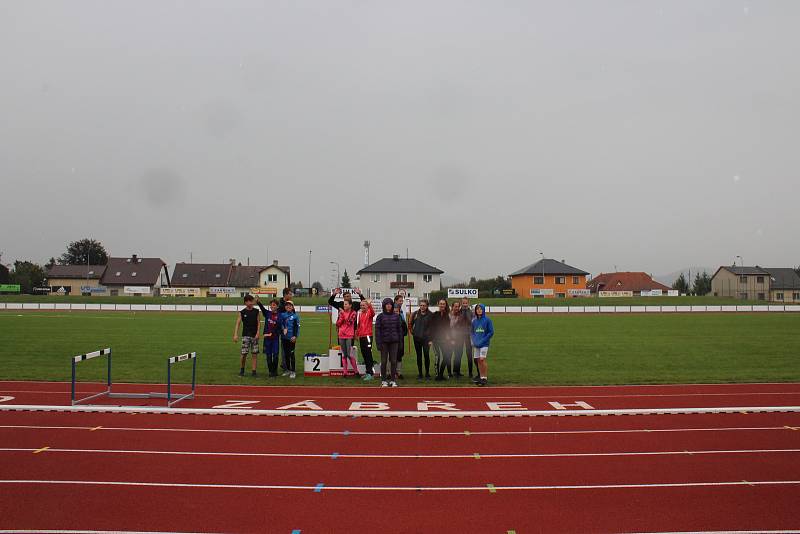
377, 433
38, 531
367, 394
398, 413
470, 456
750, 483
719, 532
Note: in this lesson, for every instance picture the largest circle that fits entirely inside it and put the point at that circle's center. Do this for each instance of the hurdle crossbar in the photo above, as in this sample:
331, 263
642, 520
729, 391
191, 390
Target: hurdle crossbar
89, 356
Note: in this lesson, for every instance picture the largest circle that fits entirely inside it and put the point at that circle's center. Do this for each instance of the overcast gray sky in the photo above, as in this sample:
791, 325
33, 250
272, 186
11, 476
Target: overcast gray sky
646, 135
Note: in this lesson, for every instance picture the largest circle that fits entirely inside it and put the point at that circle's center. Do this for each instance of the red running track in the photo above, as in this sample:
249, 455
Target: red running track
202, 473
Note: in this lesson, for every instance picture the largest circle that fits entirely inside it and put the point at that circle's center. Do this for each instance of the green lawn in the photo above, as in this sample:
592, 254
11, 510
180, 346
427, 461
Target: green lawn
528, 349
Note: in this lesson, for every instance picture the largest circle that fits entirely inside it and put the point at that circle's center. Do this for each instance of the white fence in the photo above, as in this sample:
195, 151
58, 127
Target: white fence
315, 309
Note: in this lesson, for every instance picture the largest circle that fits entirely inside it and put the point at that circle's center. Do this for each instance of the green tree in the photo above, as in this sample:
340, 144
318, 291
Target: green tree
681, 284
28, 275
5, 274
84, 251
346, 280
702, 284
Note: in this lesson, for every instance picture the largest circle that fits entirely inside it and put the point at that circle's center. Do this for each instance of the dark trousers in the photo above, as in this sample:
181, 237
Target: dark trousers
366, 351
467, 345
271, 352
444, 354
389, 359
423, 350
288, 354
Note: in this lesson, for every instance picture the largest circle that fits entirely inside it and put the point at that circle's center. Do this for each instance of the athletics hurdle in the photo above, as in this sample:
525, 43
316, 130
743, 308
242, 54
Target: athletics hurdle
171, 399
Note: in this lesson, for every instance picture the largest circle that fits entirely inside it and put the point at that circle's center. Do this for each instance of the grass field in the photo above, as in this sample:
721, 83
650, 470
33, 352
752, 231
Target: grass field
527, 349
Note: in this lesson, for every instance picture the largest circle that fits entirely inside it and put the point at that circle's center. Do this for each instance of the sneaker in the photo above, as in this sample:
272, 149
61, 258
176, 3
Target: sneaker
286, 373
368, 377
477, 379
483, 382
393, 384
384, 383
292, 375
241, 371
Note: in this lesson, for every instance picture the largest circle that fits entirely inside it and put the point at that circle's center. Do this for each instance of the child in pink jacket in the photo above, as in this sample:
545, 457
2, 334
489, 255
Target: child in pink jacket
346, 326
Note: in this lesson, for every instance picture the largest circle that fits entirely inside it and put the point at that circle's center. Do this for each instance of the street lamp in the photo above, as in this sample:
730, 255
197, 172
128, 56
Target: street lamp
338, 272
542, 254
309, 271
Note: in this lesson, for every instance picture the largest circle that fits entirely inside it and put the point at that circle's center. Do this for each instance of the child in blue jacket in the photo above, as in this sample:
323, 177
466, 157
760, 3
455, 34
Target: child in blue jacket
289, 324
481, 334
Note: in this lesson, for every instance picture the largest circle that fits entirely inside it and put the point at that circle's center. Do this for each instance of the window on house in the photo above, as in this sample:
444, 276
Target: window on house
272, 278
376, 296
91, 273
561, 295
133, 273
576, 280
760, 280
427, 278
117, 273
401, 278
538, 280
376, 277
218, 275
560, 280
185, 275
778, 296
426, 296
742, 279
795, 296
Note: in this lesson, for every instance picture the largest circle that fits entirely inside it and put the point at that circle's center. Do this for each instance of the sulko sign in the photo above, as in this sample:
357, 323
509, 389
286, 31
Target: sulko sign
461, 292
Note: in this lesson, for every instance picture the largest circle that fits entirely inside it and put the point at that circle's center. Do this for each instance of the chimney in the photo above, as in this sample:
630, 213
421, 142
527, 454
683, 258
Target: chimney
275, 263
232, 261
396, 257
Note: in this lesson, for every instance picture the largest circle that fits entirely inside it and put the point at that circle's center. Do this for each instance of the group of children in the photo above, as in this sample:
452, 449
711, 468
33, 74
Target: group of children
281, 330
452, 332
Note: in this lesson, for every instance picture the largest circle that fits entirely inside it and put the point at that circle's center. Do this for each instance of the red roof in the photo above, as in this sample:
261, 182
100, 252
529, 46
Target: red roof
628, 281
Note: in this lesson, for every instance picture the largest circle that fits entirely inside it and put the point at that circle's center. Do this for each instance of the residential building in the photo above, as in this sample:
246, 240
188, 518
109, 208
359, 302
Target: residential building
784, 284
75, 279
245, 279
549, 279
741, 282
198, 279
387, 276
134, 276
629, 283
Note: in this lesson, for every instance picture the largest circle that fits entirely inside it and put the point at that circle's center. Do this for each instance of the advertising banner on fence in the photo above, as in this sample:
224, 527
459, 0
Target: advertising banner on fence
605, 294
93, 289
180, 292
221, 290
461, 292
9, 288
651, 293
541, 292
673, 293
134, 290
61, 290
579, 292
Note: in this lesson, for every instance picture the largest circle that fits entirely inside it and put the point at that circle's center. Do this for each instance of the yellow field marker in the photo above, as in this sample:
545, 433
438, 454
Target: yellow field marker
477, 456
511, 532
37, 451
95, 428
749, 484
491, 488
466, 432
791, 428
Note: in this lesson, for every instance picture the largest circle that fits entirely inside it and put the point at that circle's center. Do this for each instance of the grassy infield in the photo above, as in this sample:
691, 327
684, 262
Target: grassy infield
528, 349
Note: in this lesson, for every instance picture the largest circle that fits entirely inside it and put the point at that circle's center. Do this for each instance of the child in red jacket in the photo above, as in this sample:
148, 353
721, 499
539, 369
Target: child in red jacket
364, 318
346, 326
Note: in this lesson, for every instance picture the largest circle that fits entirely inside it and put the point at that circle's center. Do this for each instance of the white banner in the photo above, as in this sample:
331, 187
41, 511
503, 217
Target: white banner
651, 293
461, 292
221, 290
541, 292
132, 290
604, 294
673, 293
180, 292
579, 292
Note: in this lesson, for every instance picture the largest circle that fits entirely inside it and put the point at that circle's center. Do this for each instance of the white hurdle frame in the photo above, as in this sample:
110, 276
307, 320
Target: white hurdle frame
171, 399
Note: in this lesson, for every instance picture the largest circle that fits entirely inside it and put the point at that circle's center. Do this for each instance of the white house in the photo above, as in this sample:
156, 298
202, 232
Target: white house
387, 276
274, 278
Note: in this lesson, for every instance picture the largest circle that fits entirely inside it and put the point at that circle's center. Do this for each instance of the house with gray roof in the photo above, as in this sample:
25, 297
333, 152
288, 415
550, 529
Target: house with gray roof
75, 279
387, 276
741, 282
135, 276
784, 284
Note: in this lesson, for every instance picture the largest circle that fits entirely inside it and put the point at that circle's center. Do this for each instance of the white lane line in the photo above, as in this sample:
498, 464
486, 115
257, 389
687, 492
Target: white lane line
393, 413
418, 433
718, 532
404, 488
39, 531
470, 456
368, 395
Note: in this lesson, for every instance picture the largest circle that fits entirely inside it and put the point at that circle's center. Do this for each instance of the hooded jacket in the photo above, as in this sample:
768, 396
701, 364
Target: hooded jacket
482, 329
346, 324
291, 322
388, 325
364, 322
422, 325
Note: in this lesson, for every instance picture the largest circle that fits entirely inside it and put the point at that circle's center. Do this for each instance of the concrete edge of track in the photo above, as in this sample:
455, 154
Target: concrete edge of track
391, 413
